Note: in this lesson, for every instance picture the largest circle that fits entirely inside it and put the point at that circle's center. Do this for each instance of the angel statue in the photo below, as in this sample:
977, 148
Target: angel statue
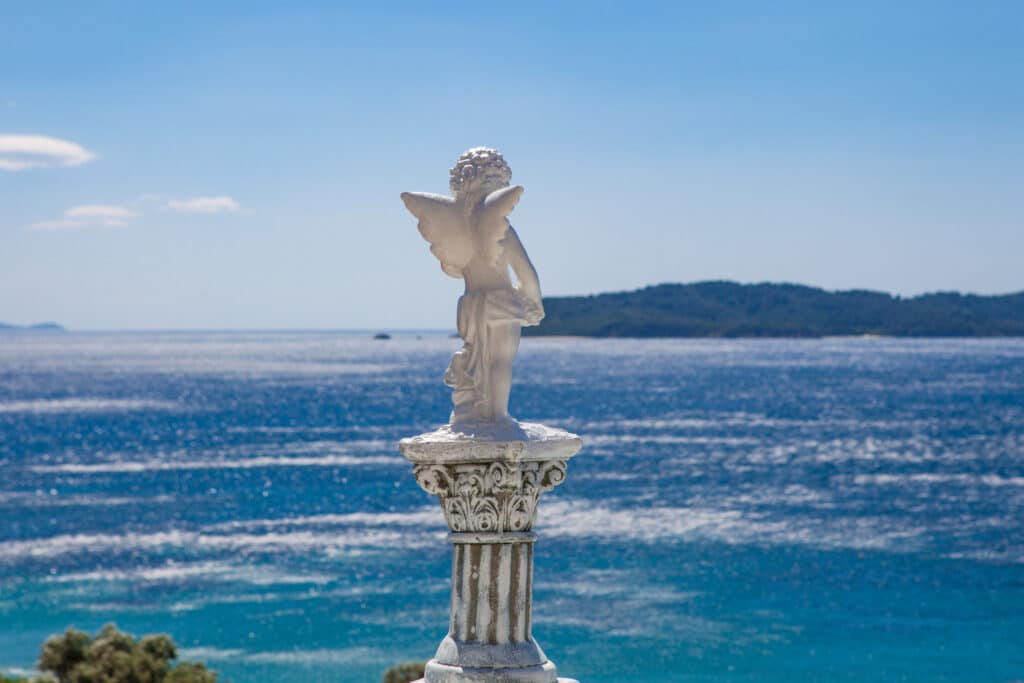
471, 236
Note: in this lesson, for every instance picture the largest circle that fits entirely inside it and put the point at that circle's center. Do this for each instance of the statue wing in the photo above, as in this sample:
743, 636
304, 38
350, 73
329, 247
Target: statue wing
492, 219
443, 224
501, 202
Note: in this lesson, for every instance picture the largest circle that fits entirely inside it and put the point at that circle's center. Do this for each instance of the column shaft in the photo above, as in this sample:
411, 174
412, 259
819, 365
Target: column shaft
491, 591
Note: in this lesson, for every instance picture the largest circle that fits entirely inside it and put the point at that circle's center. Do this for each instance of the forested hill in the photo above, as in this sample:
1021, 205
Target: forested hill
730, 309
38, 327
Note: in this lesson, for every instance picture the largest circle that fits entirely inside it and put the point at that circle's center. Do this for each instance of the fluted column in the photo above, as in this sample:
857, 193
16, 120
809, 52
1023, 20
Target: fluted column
489, 489
492, 584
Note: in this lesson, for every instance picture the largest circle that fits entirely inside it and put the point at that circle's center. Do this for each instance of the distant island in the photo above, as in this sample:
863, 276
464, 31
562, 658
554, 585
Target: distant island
731, 309
38, 327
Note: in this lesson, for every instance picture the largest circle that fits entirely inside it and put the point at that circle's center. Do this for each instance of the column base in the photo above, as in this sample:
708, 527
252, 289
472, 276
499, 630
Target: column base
489, 478
560, 680
444, 673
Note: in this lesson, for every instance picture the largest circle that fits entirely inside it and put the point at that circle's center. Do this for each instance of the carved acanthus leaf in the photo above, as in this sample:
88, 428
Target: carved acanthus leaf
490, 497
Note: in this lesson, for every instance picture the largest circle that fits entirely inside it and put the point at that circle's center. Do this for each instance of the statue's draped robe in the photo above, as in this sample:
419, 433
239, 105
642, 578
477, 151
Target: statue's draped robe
478, 315
459, 232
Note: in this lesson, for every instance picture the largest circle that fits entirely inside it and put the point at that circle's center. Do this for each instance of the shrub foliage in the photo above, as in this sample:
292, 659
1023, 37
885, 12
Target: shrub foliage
112, 656
406, 672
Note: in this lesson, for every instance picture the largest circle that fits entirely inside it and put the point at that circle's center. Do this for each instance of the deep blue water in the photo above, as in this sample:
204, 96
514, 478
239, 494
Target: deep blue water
742, 510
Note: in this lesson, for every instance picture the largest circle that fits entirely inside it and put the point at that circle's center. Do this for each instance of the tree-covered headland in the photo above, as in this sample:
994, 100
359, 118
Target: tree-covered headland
730, 309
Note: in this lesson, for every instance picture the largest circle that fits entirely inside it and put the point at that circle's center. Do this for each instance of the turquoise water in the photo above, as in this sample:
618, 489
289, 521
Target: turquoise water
742, 510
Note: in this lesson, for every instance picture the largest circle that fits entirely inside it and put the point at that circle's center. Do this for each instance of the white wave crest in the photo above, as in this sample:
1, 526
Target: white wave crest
215, 571
993, 480
85, 405
210, 653
668, 439
337, 541
38, 499
241, 463
421, 517
735, 527
318, 657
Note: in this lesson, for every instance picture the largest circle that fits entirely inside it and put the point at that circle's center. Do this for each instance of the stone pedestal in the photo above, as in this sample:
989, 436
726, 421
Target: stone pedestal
489, 481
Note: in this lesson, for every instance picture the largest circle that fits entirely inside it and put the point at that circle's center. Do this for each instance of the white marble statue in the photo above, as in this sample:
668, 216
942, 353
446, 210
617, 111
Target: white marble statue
471, 236
487, 470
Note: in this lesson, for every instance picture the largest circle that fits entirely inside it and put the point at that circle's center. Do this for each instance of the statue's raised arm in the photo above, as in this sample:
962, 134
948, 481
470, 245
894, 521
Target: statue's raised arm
471, 236
526, 275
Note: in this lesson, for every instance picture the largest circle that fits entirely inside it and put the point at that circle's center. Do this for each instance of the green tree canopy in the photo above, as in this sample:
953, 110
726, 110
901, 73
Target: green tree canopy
112, 656
406, 672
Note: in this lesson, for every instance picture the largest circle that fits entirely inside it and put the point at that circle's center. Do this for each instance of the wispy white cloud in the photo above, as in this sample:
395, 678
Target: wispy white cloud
219, 204
100, 212
20, 152
88, 216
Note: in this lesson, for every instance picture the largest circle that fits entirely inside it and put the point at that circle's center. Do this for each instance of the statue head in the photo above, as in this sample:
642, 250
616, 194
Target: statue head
475, 220
478, 172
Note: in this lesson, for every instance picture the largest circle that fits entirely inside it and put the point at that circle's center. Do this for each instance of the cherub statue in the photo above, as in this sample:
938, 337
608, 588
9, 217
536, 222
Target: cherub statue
471, 236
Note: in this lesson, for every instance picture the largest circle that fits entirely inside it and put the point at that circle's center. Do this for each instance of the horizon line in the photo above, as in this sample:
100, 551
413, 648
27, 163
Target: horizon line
778, 283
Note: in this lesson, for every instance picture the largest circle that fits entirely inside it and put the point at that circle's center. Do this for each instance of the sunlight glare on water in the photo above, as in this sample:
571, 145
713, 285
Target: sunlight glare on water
741, 511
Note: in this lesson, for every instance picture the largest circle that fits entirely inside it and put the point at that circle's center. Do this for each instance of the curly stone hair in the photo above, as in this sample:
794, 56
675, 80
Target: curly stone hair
480, 169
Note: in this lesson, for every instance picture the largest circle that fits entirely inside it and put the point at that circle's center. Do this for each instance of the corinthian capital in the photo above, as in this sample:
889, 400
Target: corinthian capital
490, 497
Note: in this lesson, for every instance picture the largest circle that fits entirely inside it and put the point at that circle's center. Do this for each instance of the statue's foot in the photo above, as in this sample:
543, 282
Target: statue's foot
505, 428
443, 673
490, 441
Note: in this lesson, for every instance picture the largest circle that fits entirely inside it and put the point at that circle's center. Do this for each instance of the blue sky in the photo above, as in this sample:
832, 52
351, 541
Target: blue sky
239, 166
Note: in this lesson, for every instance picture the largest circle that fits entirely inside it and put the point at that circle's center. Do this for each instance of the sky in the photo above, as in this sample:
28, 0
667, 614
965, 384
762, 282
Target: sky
238, 165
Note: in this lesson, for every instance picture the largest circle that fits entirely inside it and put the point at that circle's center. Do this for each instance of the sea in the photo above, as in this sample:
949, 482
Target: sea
742, 510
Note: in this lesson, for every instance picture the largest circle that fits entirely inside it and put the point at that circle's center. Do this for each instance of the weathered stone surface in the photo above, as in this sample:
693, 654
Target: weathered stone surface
470, 235
487, 469
508, 441
490, 497
489, 488
487, 484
